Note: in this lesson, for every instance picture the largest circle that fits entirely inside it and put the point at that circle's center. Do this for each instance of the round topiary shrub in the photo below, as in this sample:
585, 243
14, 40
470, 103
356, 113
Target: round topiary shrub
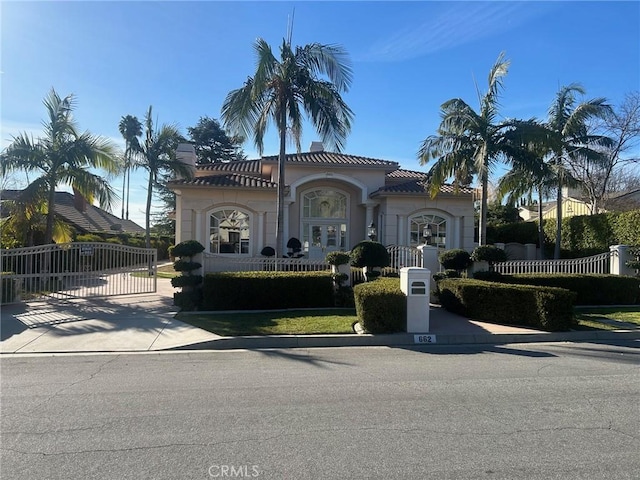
185, 265
369, 254
268, 252
488, 253
455, 259
188, 248
337, 258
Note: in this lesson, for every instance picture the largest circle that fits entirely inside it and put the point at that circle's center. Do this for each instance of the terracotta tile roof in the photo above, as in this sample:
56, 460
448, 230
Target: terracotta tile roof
405, 174
418, 186
226, 180
93, 220
334, 159
244, 166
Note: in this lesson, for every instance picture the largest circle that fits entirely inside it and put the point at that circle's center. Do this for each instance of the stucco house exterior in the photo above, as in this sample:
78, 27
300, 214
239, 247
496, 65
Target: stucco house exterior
331, 200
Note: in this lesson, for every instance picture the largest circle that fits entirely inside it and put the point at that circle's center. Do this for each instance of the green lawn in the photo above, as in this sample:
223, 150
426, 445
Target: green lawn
592, 318
298, 322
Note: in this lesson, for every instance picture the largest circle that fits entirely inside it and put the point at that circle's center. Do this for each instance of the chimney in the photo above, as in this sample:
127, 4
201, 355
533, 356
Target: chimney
316, 147
186, 153
79, 201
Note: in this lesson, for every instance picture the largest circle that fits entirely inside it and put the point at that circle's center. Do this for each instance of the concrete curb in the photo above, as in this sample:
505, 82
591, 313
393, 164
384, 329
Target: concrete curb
403, 339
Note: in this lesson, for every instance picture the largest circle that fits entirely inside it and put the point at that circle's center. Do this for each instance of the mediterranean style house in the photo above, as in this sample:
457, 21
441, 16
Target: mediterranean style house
332, 202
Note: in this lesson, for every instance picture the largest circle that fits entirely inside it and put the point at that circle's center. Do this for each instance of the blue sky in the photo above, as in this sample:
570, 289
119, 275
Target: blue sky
408, 58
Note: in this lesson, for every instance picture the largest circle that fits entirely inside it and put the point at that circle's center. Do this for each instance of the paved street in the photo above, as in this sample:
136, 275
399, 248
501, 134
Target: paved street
541, 411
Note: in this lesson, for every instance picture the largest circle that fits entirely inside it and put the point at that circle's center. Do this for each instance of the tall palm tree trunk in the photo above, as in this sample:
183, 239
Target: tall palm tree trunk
482, 227
48, 234
147, 222
128, 186
124, 180
281, 183
556, 252
540, 225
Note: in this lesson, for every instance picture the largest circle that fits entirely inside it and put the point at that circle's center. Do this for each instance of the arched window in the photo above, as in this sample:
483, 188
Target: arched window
324, 203
428, 229
229, 231
324, 221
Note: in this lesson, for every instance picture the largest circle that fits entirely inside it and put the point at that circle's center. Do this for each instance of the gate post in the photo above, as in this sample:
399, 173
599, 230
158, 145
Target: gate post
618, 260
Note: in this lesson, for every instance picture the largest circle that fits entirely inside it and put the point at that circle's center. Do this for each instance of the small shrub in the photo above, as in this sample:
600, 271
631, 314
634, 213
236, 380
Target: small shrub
381, 306
450, 273
488, 276
186, 281
188, 248
185, 265
455, 259
337, 258
369, 254
488, 253
268, 252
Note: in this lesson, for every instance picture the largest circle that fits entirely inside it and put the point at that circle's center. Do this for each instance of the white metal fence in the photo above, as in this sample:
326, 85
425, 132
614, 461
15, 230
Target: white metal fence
79, 269
399, 257
223, 263
599, 264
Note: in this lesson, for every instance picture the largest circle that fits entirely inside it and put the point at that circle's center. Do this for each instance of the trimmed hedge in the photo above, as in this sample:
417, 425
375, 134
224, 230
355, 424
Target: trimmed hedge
455, 259
590, 289
381, 306
545, 308
586, 235
267, 290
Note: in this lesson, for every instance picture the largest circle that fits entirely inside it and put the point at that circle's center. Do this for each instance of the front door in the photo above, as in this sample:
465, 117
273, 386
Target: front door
320, 238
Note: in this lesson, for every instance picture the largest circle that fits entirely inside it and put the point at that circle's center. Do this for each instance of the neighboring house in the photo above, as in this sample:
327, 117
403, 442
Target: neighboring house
74, 210
572, 205
331, 200
623, 201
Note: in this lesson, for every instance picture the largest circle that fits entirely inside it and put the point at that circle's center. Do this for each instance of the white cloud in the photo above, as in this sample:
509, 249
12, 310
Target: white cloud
460, 23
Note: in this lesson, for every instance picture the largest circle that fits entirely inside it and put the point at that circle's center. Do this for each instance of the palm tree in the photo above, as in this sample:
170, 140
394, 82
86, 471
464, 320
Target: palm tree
25, 223
570, 140
130, 129
157, 155
469, 143
278, 90
529, 173
63, 156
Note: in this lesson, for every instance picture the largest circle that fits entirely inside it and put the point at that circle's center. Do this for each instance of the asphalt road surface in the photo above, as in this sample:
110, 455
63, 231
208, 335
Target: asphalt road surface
528, 411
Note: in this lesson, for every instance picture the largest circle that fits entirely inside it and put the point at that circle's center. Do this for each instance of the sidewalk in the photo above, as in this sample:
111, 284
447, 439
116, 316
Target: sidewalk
140, 323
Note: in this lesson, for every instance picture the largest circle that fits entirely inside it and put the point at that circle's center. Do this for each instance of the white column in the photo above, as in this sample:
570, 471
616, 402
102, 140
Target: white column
260, 233
457, 234
618, 260
402, 230
178, 236
198, 229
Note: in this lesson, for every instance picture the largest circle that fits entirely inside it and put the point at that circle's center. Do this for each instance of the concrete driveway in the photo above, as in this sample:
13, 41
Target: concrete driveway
141, 322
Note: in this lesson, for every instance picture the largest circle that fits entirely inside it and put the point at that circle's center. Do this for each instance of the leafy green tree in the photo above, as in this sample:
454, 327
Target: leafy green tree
157, 155
470, 143
24, 221
529, 175
280, 90
212, 143
62, 156
130, 129
569, 140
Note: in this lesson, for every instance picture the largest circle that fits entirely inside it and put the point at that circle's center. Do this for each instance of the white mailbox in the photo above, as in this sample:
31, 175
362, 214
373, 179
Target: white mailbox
414, 283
